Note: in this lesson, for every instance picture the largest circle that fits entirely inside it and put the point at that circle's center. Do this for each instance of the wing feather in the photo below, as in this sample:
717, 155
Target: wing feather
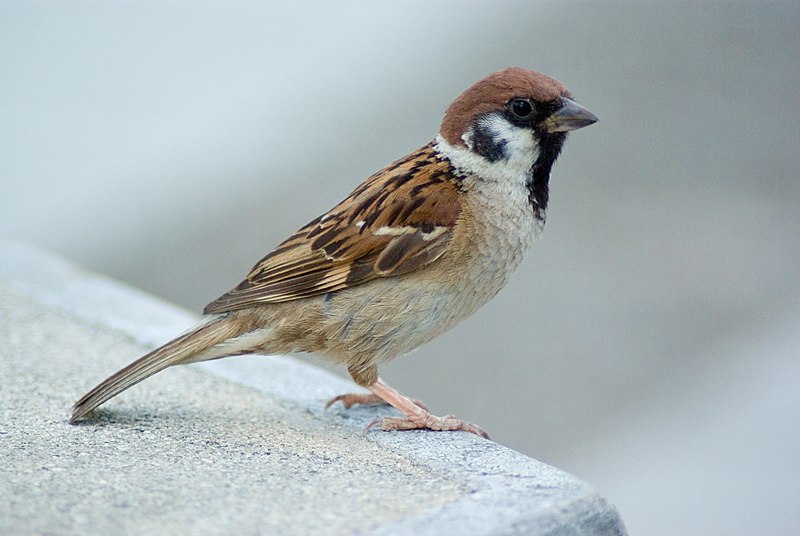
397, 221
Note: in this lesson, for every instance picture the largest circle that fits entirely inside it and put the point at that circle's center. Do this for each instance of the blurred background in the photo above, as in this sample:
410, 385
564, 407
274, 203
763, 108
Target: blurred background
650, 344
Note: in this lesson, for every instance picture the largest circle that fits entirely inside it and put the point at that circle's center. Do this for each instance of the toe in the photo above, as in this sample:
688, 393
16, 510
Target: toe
426, 421
351, 399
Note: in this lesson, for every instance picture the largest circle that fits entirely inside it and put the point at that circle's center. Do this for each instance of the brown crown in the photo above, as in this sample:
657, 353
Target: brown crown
492, 93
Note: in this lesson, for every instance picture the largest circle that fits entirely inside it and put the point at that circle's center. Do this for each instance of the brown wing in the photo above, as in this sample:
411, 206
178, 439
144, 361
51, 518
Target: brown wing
398, 220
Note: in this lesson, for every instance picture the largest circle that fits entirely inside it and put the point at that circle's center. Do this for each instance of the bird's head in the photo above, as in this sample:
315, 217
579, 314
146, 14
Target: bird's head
511, 124
500, 115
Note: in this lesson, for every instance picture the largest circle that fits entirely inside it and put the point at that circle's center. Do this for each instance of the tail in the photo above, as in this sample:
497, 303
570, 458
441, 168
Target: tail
196, 345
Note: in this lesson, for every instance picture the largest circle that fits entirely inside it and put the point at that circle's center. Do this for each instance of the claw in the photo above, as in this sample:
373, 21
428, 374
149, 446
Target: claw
371, 425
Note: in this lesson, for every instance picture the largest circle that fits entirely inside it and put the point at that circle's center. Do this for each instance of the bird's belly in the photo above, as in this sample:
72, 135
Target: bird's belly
392, 316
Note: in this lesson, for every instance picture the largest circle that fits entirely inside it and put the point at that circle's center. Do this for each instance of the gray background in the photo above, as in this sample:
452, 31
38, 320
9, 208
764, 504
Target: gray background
650, 342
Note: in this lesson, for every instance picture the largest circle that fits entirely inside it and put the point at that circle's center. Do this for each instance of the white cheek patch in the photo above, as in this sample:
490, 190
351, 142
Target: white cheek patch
518, 142
521, 151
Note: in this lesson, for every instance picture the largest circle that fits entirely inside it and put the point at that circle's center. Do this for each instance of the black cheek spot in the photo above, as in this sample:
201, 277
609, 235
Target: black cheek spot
485, 145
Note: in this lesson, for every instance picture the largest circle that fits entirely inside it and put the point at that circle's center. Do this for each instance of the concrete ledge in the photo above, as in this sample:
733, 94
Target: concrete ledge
237, 446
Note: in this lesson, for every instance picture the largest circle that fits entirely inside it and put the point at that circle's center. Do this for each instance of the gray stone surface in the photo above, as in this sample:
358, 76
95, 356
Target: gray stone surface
237, 446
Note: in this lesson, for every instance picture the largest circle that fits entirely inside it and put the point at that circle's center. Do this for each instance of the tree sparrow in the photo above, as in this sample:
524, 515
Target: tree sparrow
412, 251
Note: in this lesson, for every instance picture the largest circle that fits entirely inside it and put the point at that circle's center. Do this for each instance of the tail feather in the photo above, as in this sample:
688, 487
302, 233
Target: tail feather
195, 345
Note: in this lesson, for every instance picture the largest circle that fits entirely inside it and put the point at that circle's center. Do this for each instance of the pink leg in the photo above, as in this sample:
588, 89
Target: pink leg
416, 418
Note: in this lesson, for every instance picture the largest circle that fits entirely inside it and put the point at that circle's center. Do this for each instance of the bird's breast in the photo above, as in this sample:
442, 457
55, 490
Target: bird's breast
501, 228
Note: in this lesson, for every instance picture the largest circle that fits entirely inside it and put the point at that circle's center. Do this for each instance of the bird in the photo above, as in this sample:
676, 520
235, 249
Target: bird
414, 249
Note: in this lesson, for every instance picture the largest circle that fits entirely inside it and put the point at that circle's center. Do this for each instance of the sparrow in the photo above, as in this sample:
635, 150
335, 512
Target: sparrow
413, 250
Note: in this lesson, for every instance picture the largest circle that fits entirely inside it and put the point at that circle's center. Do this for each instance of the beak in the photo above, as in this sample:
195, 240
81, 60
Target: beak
571, 116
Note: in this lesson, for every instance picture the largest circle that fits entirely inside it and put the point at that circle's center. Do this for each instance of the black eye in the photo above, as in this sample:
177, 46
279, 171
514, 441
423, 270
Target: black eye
522, 108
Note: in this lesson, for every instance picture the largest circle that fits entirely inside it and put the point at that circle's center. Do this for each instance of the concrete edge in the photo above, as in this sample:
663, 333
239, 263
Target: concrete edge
510, 493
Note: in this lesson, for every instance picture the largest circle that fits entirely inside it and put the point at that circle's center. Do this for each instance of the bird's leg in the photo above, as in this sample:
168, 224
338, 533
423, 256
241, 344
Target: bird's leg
416, 417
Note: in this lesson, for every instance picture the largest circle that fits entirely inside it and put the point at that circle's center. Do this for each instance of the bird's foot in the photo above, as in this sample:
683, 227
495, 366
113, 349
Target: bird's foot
426, 421
349, 400
416, 415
